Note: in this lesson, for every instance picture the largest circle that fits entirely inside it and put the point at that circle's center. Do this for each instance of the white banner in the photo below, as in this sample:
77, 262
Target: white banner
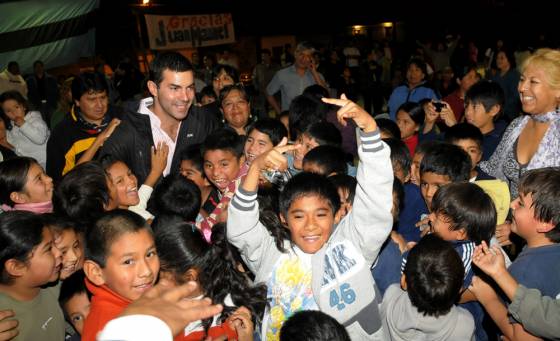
185, 31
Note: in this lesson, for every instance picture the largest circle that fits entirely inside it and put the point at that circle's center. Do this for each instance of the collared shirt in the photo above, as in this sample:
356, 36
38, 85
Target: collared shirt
158, 134
290, 84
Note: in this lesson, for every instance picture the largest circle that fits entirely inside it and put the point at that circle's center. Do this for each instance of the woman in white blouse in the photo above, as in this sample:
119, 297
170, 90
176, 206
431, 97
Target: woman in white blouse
27, 133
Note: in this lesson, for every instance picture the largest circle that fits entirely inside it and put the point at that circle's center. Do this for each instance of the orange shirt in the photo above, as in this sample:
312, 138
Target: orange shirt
105, 306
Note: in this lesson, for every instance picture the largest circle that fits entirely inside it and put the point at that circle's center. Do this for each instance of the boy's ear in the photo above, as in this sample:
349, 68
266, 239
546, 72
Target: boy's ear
94, 272
461, 234
403, 282
17, 197
545, 227
494, 110
15, 268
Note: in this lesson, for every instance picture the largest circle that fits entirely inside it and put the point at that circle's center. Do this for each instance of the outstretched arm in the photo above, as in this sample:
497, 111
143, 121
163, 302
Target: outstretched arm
99, 141
370, 220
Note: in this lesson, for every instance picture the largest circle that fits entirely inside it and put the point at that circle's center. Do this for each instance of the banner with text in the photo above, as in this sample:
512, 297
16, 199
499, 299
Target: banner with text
184, 31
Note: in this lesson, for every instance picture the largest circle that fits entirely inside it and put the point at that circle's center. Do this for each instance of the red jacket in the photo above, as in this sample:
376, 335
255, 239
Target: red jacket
105, 306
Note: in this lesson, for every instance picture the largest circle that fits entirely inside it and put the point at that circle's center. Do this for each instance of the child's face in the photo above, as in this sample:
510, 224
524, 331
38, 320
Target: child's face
407, 126
132, 264
415, 168
472, 148
256, 144
312, 167
524, 222
441, 225
207, 100
45, 262
476, 114
70, 245
399, 172
13, 109
430, 183
189, 171
125, 183
77, 309
310, 219
38, 186
221, 167
306, 143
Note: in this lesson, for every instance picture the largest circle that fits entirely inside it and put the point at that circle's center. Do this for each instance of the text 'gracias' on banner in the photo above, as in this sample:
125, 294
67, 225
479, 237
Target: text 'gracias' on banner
187, 31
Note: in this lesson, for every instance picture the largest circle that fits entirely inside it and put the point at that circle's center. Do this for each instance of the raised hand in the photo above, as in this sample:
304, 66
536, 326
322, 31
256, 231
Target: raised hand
170, 306
489, 259
351, 110
274, 158
159, 157
105, 134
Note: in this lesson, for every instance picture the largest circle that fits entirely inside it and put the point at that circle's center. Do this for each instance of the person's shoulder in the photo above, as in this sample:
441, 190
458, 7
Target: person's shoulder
34, 115
67, 123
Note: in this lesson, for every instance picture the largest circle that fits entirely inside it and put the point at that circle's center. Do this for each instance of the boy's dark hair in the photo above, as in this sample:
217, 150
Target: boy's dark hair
72, 286
107, 229
176, 195
308, 184
448, 160
273, 128
460, 73
468, 207
488, 94
324, 133
400, 156
424, 146
82, 194
330, 159
192, 153
345, 182
464, 131
207, 91
88, 82
13, 177
13, 95
544, 186
312, 325
414, 110
267, 197
172, 61
58, 223
224, 139
434, 276
304, 110
389, 127
20, 233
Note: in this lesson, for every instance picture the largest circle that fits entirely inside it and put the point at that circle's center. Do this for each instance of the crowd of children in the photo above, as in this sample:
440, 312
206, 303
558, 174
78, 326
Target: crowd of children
290, 234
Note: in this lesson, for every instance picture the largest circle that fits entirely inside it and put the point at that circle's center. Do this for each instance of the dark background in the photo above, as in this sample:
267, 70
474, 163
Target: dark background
482, 20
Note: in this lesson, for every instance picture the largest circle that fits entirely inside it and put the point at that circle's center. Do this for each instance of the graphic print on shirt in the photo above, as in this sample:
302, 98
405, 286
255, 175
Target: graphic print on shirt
289, 291
342, 262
